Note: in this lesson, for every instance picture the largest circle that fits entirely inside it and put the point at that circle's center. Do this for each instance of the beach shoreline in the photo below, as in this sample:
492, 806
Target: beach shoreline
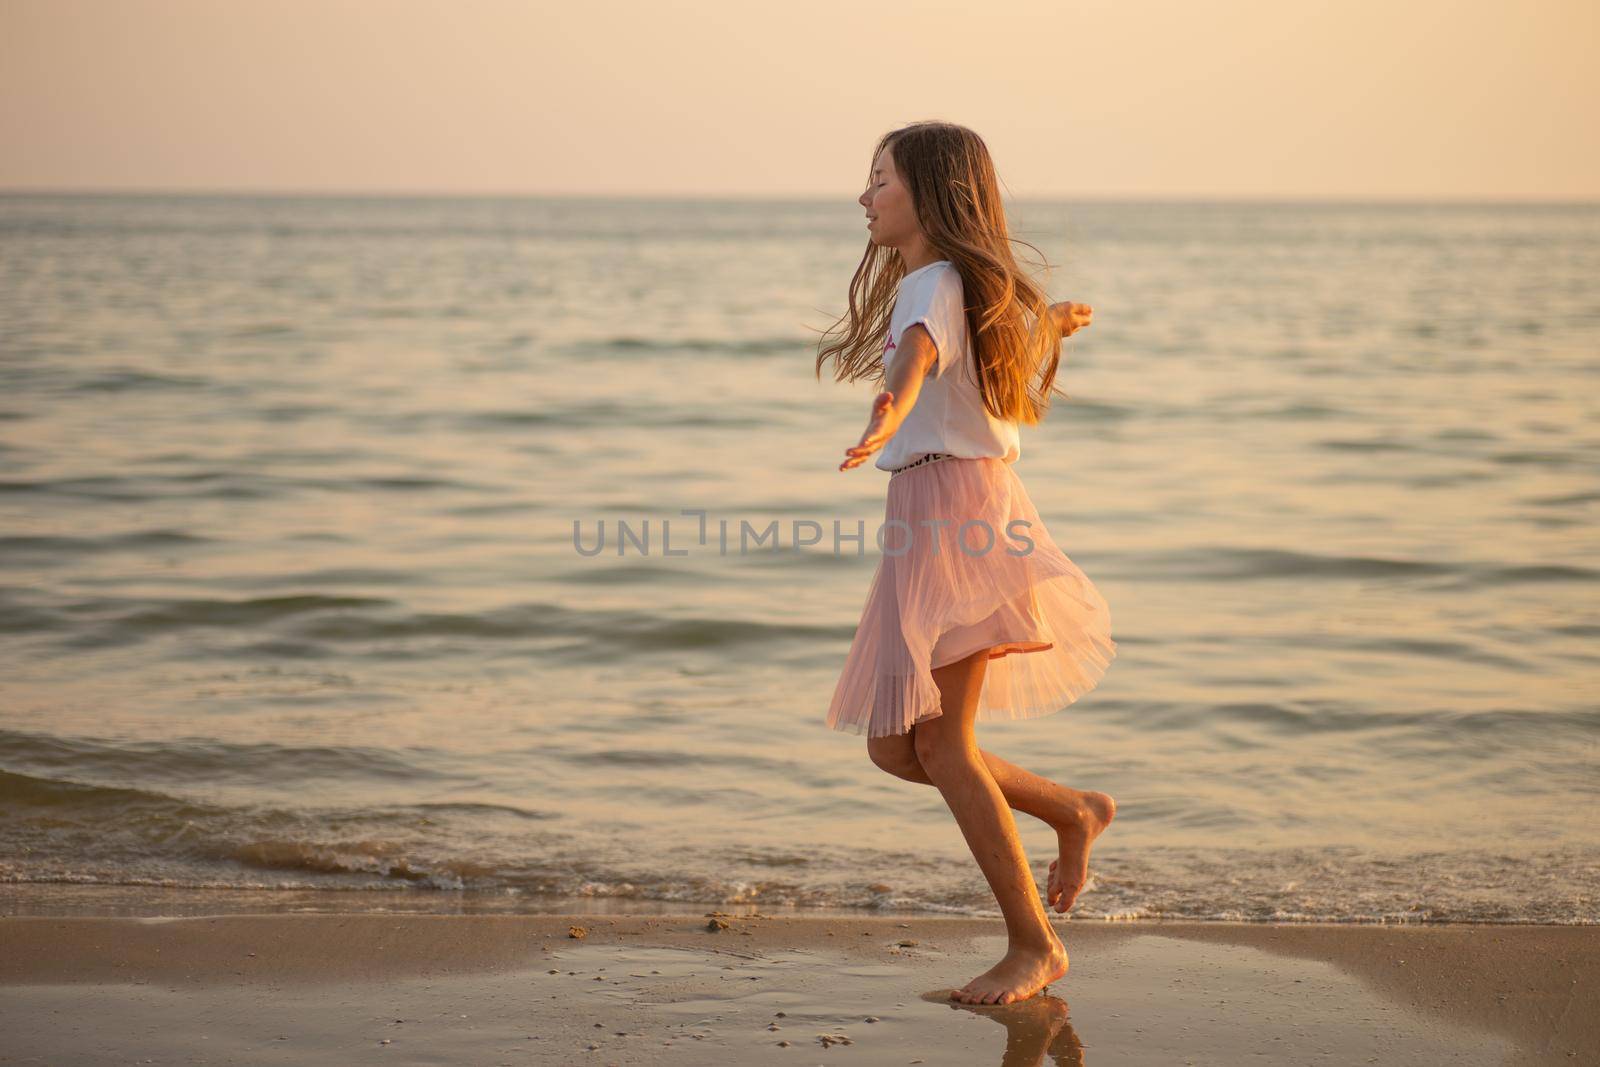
709, 985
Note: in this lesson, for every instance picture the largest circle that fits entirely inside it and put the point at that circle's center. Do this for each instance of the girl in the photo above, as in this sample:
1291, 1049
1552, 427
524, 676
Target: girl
974, 612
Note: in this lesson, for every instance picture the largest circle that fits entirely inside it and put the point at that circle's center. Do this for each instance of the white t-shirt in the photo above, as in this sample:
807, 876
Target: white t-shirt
949, 415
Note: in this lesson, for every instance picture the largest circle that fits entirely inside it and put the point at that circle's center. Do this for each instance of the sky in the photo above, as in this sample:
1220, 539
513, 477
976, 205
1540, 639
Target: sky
1124, 99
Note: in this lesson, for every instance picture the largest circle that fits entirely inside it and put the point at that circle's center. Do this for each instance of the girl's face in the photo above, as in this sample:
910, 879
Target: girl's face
891, 219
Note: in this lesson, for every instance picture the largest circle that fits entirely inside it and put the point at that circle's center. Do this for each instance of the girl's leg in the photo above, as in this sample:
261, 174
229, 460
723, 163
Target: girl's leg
1077, 816
948, 751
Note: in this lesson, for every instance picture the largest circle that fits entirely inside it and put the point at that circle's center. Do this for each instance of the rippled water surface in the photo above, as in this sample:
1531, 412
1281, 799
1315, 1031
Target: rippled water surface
290, 598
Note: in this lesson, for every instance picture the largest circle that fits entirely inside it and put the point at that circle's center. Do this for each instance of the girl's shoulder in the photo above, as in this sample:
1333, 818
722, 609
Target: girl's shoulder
935, 280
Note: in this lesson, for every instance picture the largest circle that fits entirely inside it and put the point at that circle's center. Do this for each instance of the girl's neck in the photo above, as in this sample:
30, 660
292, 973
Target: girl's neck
918, 255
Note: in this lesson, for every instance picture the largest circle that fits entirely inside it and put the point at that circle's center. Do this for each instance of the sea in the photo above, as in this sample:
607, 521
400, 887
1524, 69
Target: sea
416, 553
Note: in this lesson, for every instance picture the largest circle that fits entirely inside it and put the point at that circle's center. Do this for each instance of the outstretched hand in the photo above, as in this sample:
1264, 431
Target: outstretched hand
1072, 317
878, 432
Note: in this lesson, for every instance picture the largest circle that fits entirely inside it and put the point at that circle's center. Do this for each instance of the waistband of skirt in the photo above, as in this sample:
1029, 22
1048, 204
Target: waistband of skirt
931, 457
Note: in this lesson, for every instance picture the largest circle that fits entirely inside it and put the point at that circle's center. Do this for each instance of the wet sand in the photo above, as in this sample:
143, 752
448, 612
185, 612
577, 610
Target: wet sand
724, 988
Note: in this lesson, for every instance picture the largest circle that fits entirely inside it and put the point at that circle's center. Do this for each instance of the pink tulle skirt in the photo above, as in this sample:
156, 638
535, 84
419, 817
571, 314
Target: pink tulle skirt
969, 566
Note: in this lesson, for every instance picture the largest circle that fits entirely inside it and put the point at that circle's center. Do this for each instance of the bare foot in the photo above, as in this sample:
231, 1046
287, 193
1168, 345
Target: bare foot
1021, 974
1081, 822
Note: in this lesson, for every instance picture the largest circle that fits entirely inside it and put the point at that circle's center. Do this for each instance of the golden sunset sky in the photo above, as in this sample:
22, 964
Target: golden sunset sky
1402, 99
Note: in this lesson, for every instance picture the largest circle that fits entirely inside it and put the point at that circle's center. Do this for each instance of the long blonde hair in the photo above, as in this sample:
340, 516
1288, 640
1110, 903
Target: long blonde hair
1016, 345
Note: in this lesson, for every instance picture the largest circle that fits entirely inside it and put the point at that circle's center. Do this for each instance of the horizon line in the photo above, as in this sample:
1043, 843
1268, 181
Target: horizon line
807, 198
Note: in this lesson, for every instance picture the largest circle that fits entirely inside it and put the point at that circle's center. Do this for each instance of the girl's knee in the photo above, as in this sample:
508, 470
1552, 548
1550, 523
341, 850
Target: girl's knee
940, 740
895, 753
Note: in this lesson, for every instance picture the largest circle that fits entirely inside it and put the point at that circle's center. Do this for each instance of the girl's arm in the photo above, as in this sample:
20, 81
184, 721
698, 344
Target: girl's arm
916, 356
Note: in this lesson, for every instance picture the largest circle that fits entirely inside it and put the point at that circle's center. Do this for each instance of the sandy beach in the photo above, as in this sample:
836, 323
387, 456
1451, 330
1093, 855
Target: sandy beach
738, 988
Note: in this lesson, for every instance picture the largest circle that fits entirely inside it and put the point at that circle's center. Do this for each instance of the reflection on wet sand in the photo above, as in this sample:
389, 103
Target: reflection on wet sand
1036, 1028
